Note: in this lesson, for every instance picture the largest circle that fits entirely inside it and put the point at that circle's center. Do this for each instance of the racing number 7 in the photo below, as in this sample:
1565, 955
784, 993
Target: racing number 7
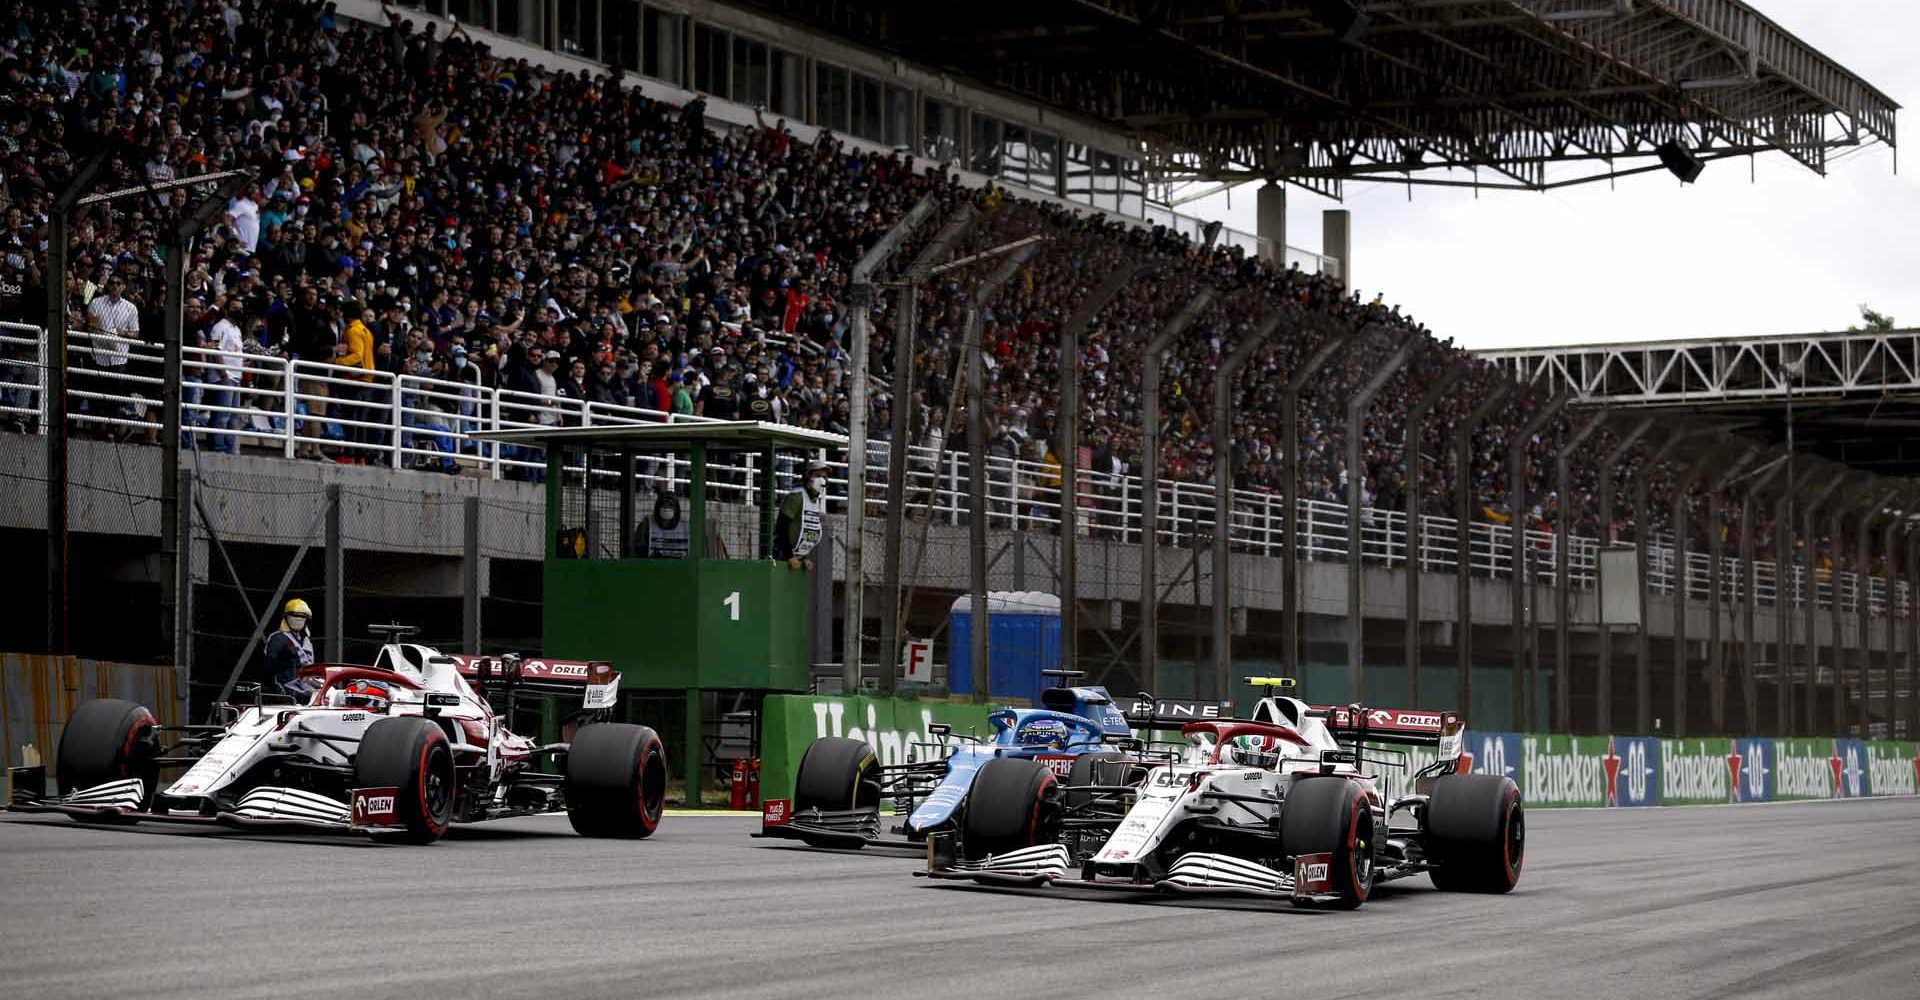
732, 601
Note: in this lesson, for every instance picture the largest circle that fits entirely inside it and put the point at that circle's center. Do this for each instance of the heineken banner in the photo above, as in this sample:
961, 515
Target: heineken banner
893, 725
1893, 769
1551, 770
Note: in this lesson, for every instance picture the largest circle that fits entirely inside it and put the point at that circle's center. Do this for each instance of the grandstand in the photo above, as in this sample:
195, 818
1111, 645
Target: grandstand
579, 211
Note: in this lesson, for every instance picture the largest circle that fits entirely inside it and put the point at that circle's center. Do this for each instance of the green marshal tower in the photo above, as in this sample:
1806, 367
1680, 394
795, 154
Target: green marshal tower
657, 557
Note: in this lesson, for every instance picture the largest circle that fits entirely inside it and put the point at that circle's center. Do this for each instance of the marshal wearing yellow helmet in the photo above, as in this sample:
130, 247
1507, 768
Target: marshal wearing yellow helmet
290, 648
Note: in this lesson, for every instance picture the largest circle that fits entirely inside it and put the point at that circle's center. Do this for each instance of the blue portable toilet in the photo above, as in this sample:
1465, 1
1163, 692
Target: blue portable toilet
1023, 638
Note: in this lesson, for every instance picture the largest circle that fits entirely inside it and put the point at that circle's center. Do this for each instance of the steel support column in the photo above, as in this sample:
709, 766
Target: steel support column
1913, 631
1681, 525
1416, 565
1356, 536
1643, 644
1223, 503
1150, 480
978, 502
1563, 573
1716, 552
900, 445
1069, 451
860, 299
1750, 608
1787, 595
1888, 550
1603, 672
334, 579
1863, 607
1521, 578
1837, 523
54, 395
1332, 344
1811, 637
1463, 539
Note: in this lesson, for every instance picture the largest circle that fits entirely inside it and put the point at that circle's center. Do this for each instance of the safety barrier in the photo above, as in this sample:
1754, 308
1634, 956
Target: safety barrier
1552, 770
298, 408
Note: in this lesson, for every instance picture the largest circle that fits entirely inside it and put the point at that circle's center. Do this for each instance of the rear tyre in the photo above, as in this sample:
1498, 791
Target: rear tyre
837, 774
1330, 815
1476, 833
1013, 803
411, 755
109, 739
616, 780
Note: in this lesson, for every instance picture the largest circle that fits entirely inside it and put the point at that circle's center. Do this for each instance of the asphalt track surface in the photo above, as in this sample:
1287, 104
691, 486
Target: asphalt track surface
1813, 900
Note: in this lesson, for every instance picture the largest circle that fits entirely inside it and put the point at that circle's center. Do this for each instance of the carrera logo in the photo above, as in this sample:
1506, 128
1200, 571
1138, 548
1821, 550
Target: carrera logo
776, 812
375, 807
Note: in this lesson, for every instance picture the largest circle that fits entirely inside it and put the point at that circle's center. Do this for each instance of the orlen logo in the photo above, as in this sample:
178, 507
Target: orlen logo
560, 669
375, 807
1412, 719
1316, 872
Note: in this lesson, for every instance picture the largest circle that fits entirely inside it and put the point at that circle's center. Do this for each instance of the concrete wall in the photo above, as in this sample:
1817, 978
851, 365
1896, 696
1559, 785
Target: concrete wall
416, 518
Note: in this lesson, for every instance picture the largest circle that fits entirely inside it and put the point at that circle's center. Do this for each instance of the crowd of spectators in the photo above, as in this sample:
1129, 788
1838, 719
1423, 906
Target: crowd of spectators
422, 206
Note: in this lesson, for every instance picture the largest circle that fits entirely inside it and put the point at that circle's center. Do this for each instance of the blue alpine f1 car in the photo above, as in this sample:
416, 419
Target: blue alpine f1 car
1077, 739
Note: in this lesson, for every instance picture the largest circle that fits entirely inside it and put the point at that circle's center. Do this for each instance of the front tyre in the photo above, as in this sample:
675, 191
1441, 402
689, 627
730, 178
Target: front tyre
837, 774
108, 740
1330, 815
1014, 803
1476, 833
412, 756
616, 781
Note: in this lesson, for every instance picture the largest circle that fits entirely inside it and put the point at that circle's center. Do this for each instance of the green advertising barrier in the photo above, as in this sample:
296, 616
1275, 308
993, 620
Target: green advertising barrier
891, 725
1803, 769
1562, 770
1696, 772
1893, 768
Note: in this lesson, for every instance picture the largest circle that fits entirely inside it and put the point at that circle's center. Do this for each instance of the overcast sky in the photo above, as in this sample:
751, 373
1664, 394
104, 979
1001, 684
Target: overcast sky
1786, 251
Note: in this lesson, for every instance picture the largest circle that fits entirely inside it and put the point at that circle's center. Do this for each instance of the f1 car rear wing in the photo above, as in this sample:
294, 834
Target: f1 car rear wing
596, 679
1393, 726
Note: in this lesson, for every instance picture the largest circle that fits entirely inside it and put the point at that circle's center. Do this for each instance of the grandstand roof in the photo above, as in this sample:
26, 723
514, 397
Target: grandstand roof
1320, 92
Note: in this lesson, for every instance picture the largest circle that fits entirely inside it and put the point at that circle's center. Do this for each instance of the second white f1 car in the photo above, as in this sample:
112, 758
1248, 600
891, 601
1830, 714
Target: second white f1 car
1279, 806
401, 750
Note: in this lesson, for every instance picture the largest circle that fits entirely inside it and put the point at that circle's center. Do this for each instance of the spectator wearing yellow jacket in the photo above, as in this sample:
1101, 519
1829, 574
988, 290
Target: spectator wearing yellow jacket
355, 351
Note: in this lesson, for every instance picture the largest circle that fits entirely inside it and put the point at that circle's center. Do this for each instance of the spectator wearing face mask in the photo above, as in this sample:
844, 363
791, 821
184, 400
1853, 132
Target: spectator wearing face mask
797, 528
467, 374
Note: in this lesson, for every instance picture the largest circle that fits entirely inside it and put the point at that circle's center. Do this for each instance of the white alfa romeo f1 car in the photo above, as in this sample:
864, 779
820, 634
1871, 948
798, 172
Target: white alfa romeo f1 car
1281, 806
400, 750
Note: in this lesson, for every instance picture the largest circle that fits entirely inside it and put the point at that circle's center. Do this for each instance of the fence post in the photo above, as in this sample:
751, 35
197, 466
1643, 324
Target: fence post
493, 424
397, 401
288, 408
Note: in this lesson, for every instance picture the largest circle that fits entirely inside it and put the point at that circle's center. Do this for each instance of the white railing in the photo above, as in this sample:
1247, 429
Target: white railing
297, 408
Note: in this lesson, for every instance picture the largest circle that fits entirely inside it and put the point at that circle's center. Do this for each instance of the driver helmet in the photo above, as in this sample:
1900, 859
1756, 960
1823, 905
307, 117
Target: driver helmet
1253, 751
1042, 733
363, 693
